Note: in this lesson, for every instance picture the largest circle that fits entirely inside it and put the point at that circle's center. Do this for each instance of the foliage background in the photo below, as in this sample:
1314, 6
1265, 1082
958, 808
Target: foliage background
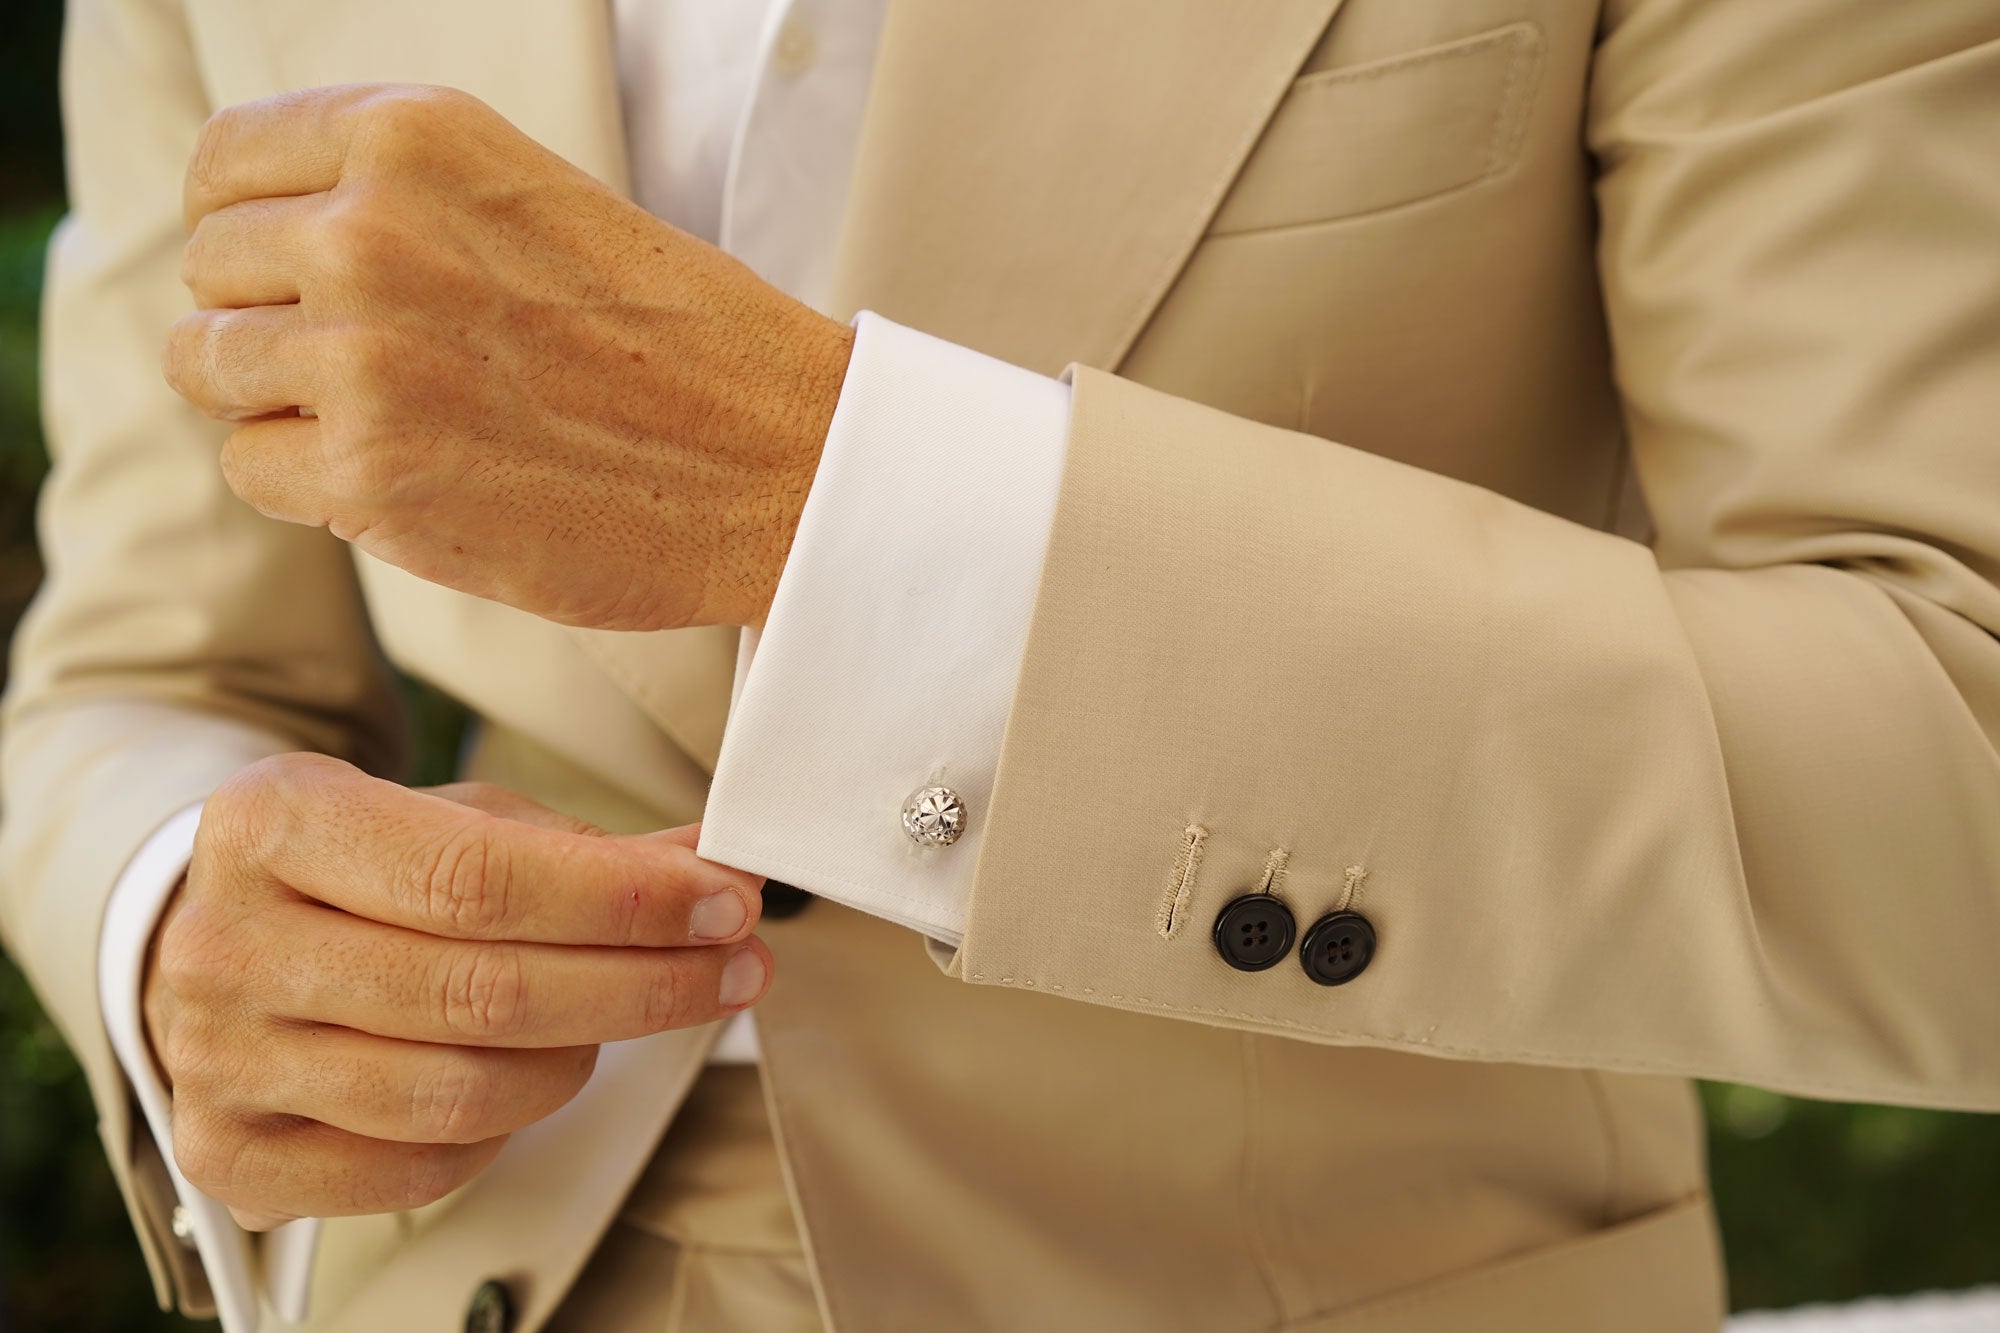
1818, 1201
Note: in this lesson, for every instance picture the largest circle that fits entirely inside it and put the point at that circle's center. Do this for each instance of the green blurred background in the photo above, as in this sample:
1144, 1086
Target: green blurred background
1818, 1201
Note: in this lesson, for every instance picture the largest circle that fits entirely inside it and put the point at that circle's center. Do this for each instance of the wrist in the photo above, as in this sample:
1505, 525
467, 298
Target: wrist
154, 1000
806, 389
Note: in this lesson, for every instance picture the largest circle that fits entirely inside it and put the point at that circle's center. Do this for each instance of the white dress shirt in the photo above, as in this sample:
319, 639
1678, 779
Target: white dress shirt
889, 658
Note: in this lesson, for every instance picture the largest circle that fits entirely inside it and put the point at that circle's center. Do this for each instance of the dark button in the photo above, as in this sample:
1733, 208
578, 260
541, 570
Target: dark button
1337, 948
1254, 932
491, 1311
781, 900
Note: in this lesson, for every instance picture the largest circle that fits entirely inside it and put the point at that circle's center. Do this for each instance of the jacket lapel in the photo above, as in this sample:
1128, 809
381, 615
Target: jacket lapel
1034, 173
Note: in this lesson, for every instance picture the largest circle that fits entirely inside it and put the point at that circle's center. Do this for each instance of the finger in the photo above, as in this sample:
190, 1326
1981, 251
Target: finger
405, 858
292, 144
273, 1169
278, 466
411, 1092
251, 253
237, 365
509, 804
325, 966
250, 1220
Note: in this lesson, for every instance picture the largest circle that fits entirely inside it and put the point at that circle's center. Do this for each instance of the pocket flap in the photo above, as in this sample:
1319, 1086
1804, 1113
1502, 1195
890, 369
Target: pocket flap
1656, 1273
1369, 137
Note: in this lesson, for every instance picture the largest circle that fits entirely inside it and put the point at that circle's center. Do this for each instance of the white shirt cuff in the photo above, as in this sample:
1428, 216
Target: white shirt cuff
131, 913
889, 659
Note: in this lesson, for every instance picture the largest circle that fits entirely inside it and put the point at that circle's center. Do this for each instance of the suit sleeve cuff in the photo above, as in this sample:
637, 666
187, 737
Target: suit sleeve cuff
889, 658
131, 913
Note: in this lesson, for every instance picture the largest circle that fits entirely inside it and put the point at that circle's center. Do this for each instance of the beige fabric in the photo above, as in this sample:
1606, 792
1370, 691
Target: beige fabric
1388, 289
706, 1242
1730, 807
641, 1282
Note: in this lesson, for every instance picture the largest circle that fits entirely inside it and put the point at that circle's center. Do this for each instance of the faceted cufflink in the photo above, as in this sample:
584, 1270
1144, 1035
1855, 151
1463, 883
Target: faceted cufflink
934, 817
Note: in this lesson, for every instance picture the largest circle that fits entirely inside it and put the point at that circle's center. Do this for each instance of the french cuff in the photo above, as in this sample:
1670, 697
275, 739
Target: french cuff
200, 1223
885, 671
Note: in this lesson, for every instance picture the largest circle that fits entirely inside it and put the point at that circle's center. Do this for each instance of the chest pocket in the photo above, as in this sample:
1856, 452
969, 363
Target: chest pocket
1363, 138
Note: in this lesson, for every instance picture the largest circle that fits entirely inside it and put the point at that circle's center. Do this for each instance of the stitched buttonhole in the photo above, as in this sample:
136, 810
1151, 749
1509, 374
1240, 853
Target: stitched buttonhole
1187, 859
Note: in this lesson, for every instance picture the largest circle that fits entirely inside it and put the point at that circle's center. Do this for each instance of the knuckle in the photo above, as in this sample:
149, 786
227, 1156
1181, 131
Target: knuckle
407, 115
363, 470
210, 1151
194, 255
300, 780
357, 233
181, 360
241, 477
238, 814
232, 809
204, 170
427, 1177
197, 955
213, 362
452, 1102
184, 1055
250, 786
210, 1055
485, 992
247, 819
400, 109
238, 798
465, 884
664, 998
299, 767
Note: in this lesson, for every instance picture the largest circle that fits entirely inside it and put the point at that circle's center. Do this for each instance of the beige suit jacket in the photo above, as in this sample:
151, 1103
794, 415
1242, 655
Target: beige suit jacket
1393, 323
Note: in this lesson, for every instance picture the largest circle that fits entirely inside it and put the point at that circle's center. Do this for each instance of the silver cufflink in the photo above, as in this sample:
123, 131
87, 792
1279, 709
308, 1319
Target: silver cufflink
934, 817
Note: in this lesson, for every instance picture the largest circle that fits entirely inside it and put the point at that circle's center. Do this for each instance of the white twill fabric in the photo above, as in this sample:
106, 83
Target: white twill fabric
941, 469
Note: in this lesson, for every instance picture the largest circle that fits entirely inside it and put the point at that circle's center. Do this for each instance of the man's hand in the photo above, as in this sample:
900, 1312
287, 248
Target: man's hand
472, 360
361, 990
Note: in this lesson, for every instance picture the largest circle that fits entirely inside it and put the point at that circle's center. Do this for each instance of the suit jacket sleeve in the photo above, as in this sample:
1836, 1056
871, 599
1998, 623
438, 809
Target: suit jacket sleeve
1727, 806
179, 635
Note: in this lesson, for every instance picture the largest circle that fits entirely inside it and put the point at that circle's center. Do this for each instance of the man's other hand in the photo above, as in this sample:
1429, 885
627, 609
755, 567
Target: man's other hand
361, 990
475, 362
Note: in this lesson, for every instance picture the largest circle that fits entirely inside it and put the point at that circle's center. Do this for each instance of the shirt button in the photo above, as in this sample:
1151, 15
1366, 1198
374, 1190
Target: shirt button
491, 1311
1254, 932
796, 49
182, 1226
1338, 948
934, 817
